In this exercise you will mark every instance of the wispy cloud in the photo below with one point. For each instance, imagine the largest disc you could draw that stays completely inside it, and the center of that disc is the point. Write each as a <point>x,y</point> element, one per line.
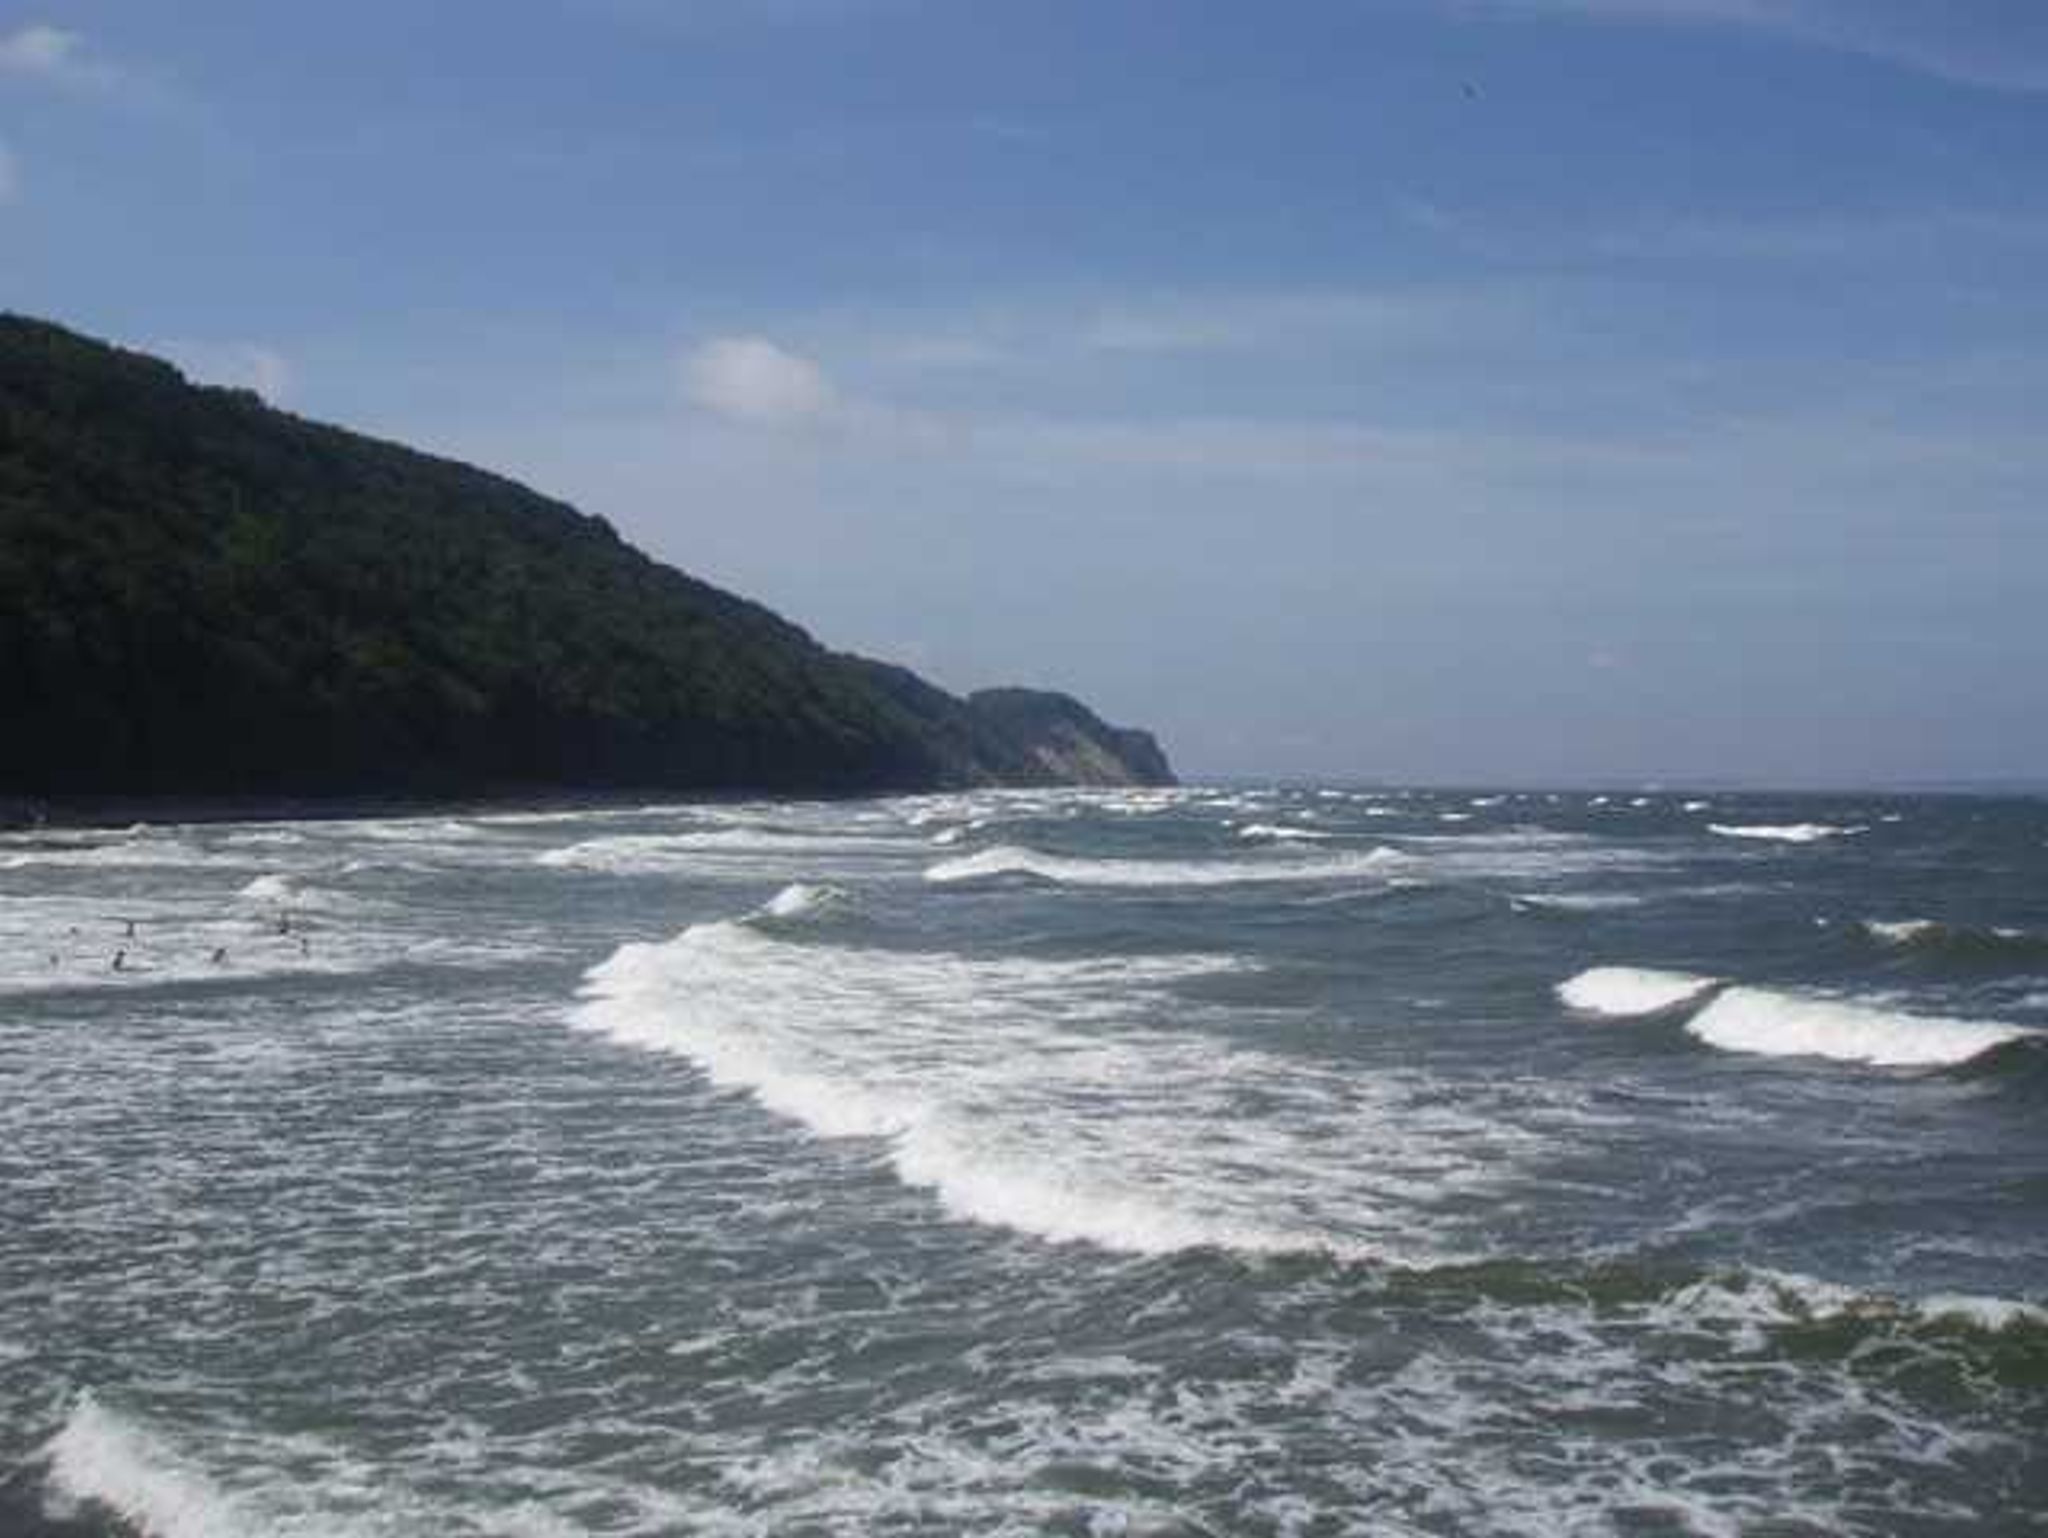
<point>238,364</point>
<point>38,51</point>
<point>1981,43</point>
<point>1232,322</point>
<point>1879,236</point>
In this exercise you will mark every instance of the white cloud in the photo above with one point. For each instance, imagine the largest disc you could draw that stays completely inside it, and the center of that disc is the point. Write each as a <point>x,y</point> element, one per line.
<point>58,57</point>
<point>750,379</point>
<point>39,50</point>
<point>239,365</point>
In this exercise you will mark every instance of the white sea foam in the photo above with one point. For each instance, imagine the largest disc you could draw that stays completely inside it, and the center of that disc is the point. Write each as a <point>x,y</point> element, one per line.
<point>272,888</point>
<point>1765,1297</point>
<point>1778,1024</point>
<point>1627,992</point>
<point>100,1457</point>
<point>1047,1096</point>
<point>409,830</point>
<point>1786,832</point>
<point>1012,860</point>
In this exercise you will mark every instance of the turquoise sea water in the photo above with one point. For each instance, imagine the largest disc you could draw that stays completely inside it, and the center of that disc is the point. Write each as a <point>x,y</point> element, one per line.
<point>1219,1161</point>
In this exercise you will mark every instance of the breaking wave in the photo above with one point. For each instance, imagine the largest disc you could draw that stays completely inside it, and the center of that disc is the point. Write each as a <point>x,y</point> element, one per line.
<point>1787,832</point>
<point>1773,1023</point>
<point>1013,860</point>
<point>662,853</point>
<point>804,900</point>
<point>992,1086</point>
<point>1622,993</point>
<point>100,1459</point>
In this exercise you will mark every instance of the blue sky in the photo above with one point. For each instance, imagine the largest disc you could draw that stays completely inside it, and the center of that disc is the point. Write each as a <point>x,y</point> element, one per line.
<point>1611,390</point>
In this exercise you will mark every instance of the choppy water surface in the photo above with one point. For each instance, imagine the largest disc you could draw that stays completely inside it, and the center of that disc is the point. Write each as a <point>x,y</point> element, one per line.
<point>1205,1161</point>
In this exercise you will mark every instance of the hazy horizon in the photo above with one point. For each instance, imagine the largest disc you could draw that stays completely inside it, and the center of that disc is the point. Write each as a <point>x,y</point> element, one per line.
<point>1489,392</point>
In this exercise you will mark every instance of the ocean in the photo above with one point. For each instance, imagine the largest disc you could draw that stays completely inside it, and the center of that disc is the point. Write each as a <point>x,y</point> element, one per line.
<point>1298,1160</point>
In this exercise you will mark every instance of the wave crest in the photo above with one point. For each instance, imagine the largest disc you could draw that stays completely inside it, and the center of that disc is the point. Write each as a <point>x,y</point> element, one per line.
<point>995,1086</point>
<point>1622,993</point>
<point>1787,832</point>
<point>1064,870</point>
<point>1775,1024</point>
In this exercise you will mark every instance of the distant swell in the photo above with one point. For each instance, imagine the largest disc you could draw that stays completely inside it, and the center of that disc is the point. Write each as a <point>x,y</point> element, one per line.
<point>1959,943</point>
<point>1012,860</point>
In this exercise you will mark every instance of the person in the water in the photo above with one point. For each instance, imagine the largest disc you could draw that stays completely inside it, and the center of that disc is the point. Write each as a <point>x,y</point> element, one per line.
<point>120,960</point>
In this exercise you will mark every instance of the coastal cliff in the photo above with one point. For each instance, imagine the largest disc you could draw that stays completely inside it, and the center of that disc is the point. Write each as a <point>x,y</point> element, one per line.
<point>201,595</point>
<point>1068,742</point>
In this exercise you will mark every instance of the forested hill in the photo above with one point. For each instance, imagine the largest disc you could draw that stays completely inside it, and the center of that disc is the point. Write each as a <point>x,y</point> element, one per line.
<point>200,595</point>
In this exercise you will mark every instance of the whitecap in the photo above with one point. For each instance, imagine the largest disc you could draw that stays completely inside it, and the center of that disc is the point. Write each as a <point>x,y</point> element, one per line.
<point>1993,1314</point>
<point>1900,931</point>
<point>1279,832</point>
<point>1628,992</point>
<point>1785,833</point>
<point>1577,902</point>
<point>1777,1024</point>
<point>662,853</point>
<point>1014,860</point>
<point>803,900</point>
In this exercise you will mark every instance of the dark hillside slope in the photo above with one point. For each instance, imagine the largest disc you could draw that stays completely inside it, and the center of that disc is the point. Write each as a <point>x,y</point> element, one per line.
<point>200,595</point>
